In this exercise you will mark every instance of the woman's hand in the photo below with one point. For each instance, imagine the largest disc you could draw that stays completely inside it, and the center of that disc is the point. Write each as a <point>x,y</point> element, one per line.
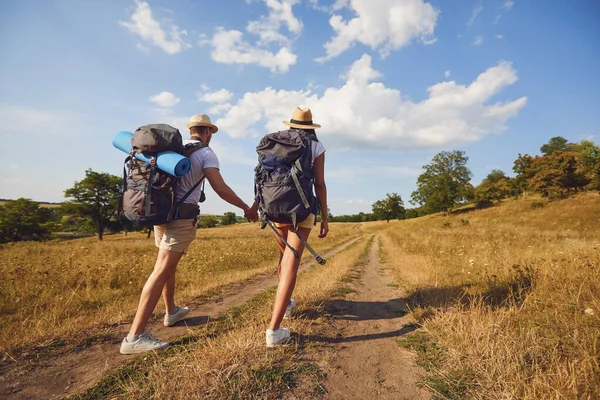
<point>324,228</point>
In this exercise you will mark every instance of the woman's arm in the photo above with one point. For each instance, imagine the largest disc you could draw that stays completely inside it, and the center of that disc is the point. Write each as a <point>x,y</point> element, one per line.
<point>321,192</point>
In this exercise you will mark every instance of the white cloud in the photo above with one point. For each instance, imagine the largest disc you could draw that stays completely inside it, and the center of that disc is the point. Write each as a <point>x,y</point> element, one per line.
<point>355,174</point>
<point>508,4</point>
<point>220,96</point>
<point>229,154</point>
<point>383,25</point>
<point>165,99</point>
<point>204,87</point>
<point>18,120</point>
<point>230,47</point>
<point>478,41</point>
<point>447,74</point>
<point>364,113</point>
<point>362,202</point>
<point>476,11</point>
<point>499,36</point>
<point>144,25</point>
<point>219,108</point>
<point>268,27</point>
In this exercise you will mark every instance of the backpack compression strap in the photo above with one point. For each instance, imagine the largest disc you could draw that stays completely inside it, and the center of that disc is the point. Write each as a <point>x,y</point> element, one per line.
<point>317,257</point>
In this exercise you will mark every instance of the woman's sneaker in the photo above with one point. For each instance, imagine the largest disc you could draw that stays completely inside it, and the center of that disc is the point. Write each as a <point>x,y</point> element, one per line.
<point>172,319</point>
<point>289,309</point>
<point>277,337</point>
<point>145,342</point>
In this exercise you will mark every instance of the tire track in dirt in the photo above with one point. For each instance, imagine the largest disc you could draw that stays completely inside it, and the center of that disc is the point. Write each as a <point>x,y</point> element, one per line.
<point>76,371</point>
<point>362,359</point>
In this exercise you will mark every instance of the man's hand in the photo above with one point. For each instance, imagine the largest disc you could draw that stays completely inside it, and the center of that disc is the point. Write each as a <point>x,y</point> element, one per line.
<point>251,214</point>
<point>324,228</point>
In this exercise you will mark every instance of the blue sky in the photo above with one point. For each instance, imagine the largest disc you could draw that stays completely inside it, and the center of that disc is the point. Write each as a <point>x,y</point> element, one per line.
<point>393,82</point>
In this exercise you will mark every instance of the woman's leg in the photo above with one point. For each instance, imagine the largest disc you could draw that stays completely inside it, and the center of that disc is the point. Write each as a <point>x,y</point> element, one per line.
<point>283,231</point>
<point>287,276</point>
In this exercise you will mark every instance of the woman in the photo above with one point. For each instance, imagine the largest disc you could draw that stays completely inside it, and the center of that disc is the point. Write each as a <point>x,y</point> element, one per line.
<point>288,263</point>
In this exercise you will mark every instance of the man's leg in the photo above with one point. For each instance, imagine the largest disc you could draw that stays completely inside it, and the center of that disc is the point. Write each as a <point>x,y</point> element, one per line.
<point>287,277</point>
<point>168,293</point>
<point>166,262</point>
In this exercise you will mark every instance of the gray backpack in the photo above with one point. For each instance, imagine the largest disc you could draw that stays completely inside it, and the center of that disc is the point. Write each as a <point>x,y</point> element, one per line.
<point>284,181</point>
<point>148,194</point>
<point>284,177</point>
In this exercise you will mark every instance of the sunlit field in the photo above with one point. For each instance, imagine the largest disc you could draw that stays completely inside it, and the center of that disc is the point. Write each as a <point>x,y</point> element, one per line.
<point>507,300</point>
<point>58,288</point>
<point>509,297</point>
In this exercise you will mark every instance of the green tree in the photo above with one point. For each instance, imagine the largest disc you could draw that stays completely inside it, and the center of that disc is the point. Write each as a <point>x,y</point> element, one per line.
<point>588,162</point>
<point>557,143</point>
<point>556,174</point>
<point>95,197</point>
<point>445,182</point>
<point>495,187</point>
<point>207,221</point>
<point>389,208</point>
<point>23,219</point>
<point>228,218</point>
<point>522,167</point>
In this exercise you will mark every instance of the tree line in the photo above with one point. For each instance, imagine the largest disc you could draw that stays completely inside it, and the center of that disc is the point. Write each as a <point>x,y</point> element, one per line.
<point>561,169</point>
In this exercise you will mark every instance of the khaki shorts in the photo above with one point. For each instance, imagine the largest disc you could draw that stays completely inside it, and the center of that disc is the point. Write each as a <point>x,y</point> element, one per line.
<point>176,235</point>
<point>307,223</point>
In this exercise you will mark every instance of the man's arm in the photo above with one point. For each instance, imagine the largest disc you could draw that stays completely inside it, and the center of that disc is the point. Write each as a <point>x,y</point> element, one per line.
<point>226,193</point>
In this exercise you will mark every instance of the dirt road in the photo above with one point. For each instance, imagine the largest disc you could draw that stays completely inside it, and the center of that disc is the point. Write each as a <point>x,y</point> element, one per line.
<point>361,358</point>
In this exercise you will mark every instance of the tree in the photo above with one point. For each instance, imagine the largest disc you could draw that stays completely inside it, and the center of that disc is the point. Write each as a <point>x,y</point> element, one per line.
<point>556,174</point>
<point>23,219</point>
<point>95,197</point>
<point>445,182</point>
<point>588,162</point>
<point>557,143</point>
<point>207,221</point>
<point>495,187</point>
<point>522,167</point>
<point>389,208</point>
<point>228,218</point>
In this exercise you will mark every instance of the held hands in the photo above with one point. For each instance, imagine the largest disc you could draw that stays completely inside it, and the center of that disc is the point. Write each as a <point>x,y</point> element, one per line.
<point>324,228</point>
<point>251,214</point>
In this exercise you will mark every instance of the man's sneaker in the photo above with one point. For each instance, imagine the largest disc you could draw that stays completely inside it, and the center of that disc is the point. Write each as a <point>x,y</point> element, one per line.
<point>172,319</point>
<point>280,336</point>
<point>289,309</point>
<point>145,342</point>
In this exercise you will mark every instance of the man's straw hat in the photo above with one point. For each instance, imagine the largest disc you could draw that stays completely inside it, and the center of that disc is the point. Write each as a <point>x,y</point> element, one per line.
<point>302,119</point>
<point>202,120</point>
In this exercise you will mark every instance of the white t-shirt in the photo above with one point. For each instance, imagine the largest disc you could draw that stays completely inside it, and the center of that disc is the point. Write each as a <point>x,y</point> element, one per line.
<point>200,160</point>
<point>317,150</point>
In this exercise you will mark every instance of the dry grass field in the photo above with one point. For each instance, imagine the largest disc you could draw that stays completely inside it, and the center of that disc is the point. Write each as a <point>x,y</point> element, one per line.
<point>508,297</point>
<point>56,289</point>
<point>507,300</point>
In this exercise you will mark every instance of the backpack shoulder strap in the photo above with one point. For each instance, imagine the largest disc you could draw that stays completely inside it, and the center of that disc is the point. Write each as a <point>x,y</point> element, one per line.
<point>187,151</point>
<point>189,148</point>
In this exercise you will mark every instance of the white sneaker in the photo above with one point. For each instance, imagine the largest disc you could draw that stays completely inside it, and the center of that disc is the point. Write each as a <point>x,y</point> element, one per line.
<point>145,342</point>
<point>289,309</point>
<point>279,336</point>
<point>172,319</point>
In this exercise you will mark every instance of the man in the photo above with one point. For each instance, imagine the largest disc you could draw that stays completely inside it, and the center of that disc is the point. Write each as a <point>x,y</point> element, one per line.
<point>174,238</point>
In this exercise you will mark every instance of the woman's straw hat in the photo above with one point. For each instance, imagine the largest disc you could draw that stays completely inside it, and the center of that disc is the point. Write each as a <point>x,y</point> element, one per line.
<point>302,119</point>
<point>202,120</point>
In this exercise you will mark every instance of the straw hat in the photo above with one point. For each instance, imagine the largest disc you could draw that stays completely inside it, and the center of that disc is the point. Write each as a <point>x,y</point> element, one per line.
<point>202,120</point>
<point>302,119</point>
